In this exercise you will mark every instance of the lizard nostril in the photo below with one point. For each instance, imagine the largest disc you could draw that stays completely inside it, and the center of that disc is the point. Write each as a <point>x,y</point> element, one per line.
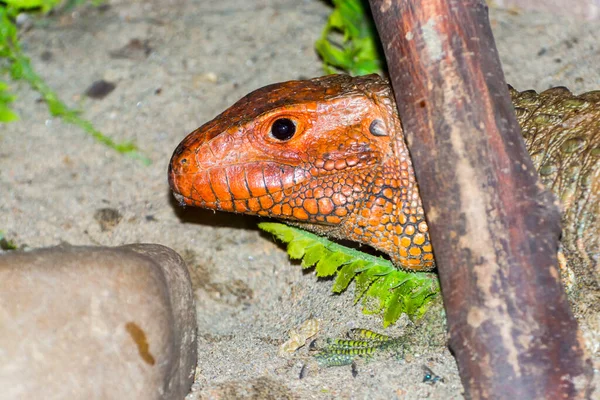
<point>180,163</point>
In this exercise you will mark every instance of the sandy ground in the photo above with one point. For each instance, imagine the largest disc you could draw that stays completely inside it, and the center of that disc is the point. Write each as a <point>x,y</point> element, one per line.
<point>202,56</point>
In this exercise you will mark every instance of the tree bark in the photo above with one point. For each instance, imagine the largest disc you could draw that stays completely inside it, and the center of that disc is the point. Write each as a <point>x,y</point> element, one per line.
<point>494,227</point>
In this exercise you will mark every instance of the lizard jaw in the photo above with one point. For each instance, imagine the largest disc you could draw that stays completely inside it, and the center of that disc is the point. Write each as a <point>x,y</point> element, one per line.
<point>182,200</point>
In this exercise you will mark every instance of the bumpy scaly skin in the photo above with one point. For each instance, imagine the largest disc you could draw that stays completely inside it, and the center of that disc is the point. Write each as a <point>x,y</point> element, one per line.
<point>340,177</point>
<point>562,134</point>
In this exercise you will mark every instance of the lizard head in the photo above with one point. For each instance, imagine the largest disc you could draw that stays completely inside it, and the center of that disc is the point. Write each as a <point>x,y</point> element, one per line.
<point>297,150</point>
<point>326,154</point>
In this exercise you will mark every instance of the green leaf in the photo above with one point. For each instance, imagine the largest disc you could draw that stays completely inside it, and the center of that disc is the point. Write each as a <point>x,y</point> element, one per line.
<point>381,287</point>
<point>43,5</point>
<point>329,264</point>
<point>297,248</point>
<point>346,274</point>
<point>313,254</point>
<point>6,114</point>
<point>349,41</point>
<point>395,307</point>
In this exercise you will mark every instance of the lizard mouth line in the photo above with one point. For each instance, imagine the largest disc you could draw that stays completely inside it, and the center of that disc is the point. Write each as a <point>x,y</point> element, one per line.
<point>306,166</point>
<point>182,200</point>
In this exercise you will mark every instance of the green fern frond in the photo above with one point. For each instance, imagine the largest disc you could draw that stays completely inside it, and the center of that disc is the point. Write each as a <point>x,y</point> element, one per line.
<point>381,287</point>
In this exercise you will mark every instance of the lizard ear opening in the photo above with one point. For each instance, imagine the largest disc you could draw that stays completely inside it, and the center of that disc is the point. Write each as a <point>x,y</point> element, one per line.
<point>377,128</point>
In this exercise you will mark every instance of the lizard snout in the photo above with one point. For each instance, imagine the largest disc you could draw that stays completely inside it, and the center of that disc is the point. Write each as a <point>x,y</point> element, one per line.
<point>181,161</point>
<point>181,168</point>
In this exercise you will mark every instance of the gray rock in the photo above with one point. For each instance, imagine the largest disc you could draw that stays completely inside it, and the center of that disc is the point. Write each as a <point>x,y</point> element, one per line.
<point>96,322</point>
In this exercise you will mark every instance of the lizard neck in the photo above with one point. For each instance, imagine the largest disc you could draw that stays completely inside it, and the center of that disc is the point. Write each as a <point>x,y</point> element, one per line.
<point>390,217</point>
<point>387,213</point>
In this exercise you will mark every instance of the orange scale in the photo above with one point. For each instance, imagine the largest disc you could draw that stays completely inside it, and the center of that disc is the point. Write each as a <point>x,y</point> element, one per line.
<point>402,219</point>
<point>253,204</point>
<point>277,196</point>
<point>380,201</point>
<point>341,212</point>
<point>414,251</point>
<point>338,199</point>
<point>310,205</point>
<point>415,262</point>
<point>240,206</point>
<point>405,242</point>
<point>332,219</point>
<point>276,210</point>
<point>299,213</point>
<point>419,239</point>
<point>325,205</point>
<point>286,210</point>
<point>266,202</point>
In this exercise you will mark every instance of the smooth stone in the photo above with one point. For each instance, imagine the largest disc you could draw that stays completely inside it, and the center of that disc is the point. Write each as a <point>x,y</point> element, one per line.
<point>96,322</point>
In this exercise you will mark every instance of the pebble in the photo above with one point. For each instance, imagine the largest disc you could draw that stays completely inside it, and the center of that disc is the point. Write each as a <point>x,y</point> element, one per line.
<point>96,322</point>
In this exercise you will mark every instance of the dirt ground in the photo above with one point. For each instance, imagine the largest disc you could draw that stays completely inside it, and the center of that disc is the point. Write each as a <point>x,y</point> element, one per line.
<point>186,62</point>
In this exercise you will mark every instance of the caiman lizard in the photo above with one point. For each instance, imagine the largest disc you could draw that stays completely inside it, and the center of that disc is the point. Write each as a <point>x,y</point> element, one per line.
<point>321,154</point>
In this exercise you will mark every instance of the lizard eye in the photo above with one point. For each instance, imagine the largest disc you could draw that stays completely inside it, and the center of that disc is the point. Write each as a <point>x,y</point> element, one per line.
<point>283,129</point>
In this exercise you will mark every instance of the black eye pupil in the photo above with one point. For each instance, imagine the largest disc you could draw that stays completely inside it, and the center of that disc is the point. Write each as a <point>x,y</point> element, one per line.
<point>283,129</point>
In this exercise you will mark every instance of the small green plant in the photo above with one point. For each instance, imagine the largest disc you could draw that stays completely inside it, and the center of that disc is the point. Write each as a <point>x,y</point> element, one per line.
<point>43,5</point>
<point>382,287</point>
<point>349,41</point>
<point>14,62</point>
<point>6,114</point>
<point>6,244</point>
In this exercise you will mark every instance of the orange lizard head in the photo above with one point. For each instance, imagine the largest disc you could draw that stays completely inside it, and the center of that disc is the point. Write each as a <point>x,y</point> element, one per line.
<point>326,154</point>
<point>292,150</point>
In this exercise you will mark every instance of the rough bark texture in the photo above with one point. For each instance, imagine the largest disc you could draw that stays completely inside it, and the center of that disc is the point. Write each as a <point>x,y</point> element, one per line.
<point>494,227</point>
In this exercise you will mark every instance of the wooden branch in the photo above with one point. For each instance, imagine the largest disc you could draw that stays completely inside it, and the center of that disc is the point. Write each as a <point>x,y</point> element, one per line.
<point>494,227</point>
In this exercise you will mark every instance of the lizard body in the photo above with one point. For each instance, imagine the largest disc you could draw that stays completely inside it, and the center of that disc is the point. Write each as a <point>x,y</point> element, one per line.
<point>325,154</point>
